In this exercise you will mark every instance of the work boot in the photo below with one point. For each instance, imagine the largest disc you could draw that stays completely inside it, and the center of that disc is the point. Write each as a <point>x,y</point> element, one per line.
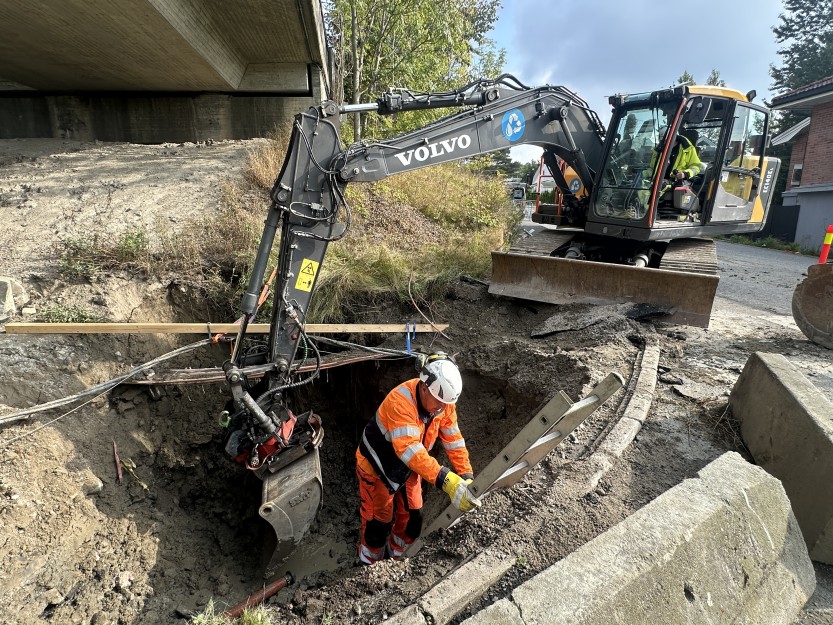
<point>395,547</point>
<point>368,555</point>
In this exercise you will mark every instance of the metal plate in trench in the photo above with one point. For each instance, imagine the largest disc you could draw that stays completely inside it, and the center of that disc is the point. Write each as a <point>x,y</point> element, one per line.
<point>291,499</point>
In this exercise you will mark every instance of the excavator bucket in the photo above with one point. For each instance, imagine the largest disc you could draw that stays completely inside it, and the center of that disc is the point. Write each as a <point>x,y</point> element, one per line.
<point>687,289</point>
<point>291,499</point>
<point>813,305</point>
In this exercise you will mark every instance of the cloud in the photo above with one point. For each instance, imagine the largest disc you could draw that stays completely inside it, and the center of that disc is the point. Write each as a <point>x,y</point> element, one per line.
<point>601,47</point>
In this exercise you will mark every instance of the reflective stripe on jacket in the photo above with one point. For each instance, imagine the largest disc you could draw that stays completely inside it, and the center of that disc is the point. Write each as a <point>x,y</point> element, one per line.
<point>397,440</point>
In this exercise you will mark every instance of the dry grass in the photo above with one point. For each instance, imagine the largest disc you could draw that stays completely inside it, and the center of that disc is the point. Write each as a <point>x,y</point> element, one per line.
<point>455,197</point>
<point>88,255</point>
<point>258,615</point>
<point>264,162</point>
<point>724,424</point>
<point>416,231</point>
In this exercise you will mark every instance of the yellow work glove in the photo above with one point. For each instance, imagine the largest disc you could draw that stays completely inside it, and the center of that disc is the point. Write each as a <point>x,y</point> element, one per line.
<point>461,497</point>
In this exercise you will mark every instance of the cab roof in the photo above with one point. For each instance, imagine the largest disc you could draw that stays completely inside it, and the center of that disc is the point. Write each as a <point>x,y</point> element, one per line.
<point>673,93</point>
<point>721,92</point>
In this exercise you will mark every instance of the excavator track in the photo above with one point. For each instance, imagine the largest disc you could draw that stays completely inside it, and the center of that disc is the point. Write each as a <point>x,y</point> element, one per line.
<point>691,256</point>
<point>685,284</point>
<point>542,243</point>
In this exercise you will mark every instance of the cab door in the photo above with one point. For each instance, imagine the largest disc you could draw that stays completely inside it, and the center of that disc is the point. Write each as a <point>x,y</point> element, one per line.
<point>737,183</point>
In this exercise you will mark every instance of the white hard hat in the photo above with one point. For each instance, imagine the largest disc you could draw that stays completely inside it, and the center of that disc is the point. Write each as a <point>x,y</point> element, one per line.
<point>442,377</point>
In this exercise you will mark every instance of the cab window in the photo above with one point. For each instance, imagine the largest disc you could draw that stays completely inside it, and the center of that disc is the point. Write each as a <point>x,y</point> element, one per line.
<point>742,159</point>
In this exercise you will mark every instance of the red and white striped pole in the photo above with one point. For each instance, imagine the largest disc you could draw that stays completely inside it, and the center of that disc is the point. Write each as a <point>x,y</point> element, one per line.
<point>825,248</point>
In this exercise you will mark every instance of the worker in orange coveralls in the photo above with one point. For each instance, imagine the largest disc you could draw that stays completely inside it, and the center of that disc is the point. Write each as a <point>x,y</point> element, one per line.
<point>393,458</point>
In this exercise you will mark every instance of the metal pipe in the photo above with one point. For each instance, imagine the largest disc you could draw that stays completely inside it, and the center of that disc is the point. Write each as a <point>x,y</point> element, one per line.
<point>359,108</point>
<point>259,597</point>
<point>640,260</point>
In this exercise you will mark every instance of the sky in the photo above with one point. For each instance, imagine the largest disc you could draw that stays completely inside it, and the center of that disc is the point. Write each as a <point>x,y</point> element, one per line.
<point>598,48</point>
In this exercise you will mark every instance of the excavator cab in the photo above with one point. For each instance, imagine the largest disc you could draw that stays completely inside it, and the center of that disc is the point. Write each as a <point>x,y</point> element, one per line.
<point>728,179</point>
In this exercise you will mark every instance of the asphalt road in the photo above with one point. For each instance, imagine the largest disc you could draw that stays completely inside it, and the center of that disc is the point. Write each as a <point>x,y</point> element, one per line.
<point>759,278</point>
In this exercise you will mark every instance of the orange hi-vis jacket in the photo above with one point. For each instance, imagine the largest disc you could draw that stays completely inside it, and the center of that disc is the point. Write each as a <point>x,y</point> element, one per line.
<point>397,440</point>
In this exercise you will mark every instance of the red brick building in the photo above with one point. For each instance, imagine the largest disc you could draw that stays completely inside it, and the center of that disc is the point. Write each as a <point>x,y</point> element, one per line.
<point>810,168</point>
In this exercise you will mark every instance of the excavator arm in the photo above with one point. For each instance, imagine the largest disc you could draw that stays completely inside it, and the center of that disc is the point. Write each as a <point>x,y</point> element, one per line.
<point>308,196</point>
<point>308,208</point>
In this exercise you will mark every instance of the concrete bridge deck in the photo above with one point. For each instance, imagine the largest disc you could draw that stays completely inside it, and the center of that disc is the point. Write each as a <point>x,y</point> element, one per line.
<point>158,70</point>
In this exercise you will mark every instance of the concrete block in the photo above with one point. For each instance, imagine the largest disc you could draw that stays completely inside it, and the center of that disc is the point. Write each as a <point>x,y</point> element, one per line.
<point>502,612</point>
<point>463,586</point>
<point>787,424</point>
<point>18,290</point>
<point>6,297</point>
<point>723,548</point>
<point>411,615</point>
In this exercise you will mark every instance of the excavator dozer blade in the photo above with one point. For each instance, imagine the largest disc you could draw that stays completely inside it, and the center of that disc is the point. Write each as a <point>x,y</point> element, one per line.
<point>813,305</point>
<point>291,499</point>
<point>688,295</point>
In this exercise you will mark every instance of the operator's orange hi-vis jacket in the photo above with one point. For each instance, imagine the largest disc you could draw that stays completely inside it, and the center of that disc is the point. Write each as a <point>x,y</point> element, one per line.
<point>397,440</point>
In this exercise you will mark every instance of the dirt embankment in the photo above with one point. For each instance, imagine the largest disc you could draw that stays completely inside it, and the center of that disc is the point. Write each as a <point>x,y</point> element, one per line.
<point>77,546</point>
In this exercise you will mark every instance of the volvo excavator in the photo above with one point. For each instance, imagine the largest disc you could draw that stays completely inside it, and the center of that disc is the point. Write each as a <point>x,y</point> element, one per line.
<point>624,230</point>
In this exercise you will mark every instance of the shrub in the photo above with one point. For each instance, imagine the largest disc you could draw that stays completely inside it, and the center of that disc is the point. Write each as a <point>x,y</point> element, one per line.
<point>63,313</point>
<point>88,255</point>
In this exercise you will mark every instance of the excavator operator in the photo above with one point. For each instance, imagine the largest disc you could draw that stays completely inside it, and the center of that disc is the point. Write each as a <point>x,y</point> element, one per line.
<point>684,163</point>
<point>393,459</point>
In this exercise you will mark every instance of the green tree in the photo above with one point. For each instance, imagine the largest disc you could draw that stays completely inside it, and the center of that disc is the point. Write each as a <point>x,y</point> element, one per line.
<point>527,171</point>
<point>685,78</point>
<point>805,32</point>
<point>497,163</point>
<point>422,45</point>
<point>715,80</point>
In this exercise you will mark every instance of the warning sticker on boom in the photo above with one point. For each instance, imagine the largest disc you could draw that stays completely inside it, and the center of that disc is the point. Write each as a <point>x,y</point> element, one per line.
<point>306,277</point>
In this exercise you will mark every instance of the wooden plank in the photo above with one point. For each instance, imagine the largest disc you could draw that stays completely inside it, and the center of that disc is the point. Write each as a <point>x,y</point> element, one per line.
<point>211,328</point>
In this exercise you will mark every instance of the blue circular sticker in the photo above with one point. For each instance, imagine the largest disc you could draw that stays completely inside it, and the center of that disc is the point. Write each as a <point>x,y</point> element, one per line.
<point>513,124</point>
<point>575,185</point>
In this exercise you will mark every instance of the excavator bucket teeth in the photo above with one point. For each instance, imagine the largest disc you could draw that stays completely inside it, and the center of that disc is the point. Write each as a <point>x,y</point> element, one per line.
<point>813,305</point>
<point>687,295</point>
<point>291,499</point>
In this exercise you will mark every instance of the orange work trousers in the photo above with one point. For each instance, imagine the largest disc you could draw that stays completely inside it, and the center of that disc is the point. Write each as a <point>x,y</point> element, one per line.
<point>388,519</point>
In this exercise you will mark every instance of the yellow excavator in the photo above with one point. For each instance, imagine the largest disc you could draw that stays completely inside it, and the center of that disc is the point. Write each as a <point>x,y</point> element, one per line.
<point>629,228</point>
<point>636,232</point>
